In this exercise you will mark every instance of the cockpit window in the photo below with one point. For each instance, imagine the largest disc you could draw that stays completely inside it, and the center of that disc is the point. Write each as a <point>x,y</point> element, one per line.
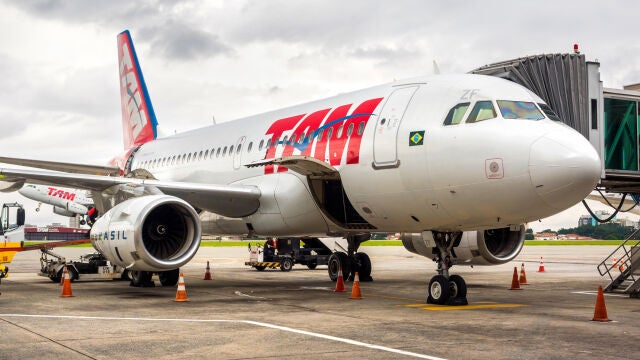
<point>547,110</point>
<point>456,114</point>
<point>519,110</point>
<point>482,110</point>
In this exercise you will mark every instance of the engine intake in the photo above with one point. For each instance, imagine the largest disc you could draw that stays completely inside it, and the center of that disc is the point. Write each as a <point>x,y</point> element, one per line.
<point>485,247</point>
<point>150,233</point>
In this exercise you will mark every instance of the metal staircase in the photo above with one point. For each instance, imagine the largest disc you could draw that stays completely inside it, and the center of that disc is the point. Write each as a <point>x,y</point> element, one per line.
<point>623,268</point>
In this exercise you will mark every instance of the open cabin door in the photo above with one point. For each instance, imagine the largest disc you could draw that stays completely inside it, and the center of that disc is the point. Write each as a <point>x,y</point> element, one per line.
<point>326,188</point>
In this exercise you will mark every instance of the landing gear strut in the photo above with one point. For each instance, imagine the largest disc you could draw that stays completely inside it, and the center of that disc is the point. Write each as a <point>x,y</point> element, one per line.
<point>445,288</point>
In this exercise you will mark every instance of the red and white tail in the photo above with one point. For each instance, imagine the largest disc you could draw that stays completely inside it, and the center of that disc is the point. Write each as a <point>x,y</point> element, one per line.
<point>139,124</point>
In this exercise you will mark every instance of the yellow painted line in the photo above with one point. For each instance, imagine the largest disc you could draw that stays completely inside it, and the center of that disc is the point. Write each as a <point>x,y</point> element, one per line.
<point>470,307</point>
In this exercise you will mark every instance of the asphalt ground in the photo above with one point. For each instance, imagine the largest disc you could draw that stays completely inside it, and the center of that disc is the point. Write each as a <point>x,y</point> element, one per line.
<point>246,314</point>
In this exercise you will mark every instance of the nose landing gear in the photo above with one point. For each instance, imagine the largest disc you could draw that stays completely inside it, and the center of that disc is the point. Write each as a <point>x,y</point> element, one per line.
<point>445,288</point>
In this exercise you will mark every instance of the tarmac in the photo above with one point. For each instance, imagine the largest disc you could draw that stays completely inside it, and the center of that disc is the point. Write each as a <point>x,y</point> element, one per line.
<point>246,314</point>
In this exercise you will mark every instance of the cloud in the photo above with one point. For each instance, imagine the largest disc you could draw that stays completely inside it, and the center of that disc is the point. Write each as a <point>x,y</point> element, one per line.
<point>179,41</point>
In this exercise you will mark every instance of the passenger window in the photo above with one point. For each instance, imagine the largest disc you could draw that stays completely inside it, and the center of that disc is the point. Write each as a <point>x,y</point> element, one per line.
<point>456,114</point>
<point>206,154</point>
<point>320,134</point>
<point>200,156</point>
<point>329,132</point>
<point>224,151</point>
<point>218,153</point>
<point>260,145</point>
<point>339,133</point>
<point>482,110</point>
<point>293,139</point>
<point>350,129</point>
<point>238,149</point>
<point>250,146</point>
<point>189,158</point>
<point>361,128</point>
<point>284,140</point>
<point>230,150</point>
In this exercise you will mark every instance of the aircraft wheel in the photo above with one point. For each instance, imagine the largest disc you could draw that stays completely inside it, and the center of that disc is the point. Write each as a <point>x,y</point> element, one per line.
<point>439,290</point>
<point>169,278</point>
<point>365,267</point>
<point>457,287</point>
<point>286,264</point>
<point>125,275</point>
<point>141,278</point>
<point>339,260</point>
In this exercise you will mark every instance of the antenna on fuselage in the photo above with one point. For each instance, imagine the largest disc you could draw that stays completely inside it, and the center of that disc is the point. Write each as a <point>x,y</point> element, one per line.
<point>213,118</point>
<point>436,68</point>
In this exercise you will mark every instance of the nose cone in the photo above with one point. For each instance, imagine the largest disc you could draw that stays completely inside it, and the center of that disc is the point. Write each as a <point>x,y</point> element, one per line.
<point>564,168</point>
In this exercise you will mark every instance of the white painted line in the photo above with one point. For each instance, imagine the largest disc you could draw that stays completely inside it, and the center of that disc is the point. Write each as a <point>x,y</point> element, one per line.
<point>239,293</point>
<point>594,293</point>
<point>249,322</point>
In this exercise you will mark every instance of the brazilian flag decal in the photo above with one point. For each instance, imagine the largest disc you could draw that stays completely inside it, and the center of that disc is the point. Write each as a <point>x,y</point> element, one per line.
<point>416,138</point>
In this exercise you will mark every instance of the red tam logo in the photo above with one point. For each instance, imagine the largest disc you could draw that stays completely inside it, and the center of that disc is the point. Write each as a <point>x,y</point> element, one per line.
<point>328,135</point>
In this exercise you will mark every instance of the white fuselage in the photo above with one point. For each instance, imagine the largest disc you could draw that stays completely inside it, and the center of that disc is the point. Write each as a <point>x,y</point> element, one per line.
<point>489,174</point>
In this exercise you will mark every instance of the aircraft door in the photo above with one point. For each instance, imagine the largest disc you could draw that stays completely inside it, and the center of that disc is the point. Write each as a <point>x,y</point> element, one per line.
<point>237,152</point>
<point>385,151</point>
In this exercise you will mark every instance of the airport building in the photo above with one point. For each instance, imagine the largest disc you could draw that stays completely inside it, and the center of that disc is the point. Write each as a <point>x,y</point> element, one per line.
<point>54,232</point>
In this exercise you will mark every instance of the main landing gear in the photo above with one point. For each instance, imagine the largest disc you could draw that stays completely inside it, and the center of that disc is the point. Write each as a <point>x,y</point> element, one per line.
<point>445,288</point>
<point>351,261</point>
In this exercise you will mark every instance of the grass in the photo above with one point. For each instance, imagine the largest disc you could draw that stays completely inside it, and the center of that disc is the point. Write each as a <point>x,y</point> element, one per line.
<point>245,243</point>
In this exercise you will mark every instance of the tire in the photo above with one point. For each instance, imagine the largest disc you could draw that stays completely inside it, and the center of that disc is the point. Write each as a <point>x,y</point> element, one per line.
<point>169,278</point>
<point>336,261</point>
<point>365,267</point>
<point>457,287</point>
<point>260,268</point>
<point>286,264</point>
<point>73,275</point>
<point>141,278</point>
<point>125,275</point>
<point>312,265</point>
<point>439,290</point>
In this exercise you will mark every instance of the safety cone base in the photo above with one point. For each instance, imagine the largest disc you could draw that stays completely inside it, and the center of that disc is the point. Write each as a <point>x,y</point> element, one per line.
<point>181,294</point>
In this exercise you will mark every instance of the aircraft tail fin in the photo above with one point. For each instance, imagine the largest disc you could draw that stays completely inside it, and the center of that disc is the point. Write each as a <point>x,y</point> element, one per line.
<point>139,124</point>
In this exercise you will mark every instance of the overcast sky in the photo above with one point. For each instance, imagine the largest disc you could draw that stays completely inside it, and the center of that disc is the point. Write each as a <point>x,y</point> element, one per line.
<point>59,96</point>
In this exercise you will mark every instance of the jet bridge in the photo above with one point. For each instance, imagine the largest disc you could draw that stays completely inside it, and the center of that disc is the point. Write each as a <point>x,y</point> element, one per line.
<point>572,87</point>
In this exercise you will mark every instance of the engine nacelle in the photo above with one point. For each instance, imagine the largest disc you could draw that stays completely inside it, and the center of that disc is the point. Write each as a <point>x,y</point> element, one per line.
<point>148,233</point>
<point>488,247</point>
<point>63,212</point>
<point>70,209</point>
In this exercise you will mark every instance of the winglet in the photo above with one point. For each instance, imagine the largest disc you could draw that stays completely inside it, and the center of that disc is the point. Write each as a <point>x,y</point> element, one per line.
<point>139,124</point>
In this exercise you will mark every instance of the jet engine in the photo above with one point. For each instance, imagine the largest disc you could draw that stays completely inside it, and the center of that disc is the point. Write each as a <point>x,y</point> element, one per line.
<point>148,233</point>
<point>485,247</point>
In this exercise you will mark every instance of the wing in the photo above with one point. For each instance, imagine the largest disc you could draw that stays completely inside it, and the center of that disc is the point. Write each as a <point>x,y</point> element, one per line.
<point>60,166</point>
<point>225,200</point>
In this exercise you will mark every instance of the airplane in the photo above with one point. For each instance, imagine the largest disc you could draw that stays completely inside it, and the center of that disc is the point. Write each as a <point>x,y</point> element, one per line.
<point>65,201</point>
<point>456,163</point>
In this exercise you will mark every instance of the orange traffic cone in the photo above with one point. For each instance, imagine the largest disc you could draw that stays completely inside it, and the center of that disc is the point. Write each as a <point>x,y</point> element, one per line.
<point>515,284</point>
<point>355,290</point>
<point>541,267</point>
<point>621,266</point>
<point>207,273</point>
<point>600,313</point>
<point>523,276</point>
<point>66,285</point>
<point>340,282</point>
<point>615,263</point>
<point>181,294</point>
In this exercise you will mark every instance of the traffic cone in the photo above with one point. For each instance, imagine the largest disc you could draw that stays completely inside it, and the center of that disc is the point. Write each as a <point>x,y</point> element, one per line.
<point>523,276</point>
<point>600,313</point>
<point>515,284</point>
<point>340,282</point>
<point>541,267</point>
<point>207,273</point>
<point>181,294</point>
<point>615,263</point>
<point>66,285</point>
<point>355,290</point>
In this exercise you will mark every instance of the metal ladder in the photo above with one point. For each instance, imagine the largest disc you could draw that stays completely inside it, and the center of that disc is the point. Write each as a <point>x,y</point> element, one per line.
<point>624,272</point>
